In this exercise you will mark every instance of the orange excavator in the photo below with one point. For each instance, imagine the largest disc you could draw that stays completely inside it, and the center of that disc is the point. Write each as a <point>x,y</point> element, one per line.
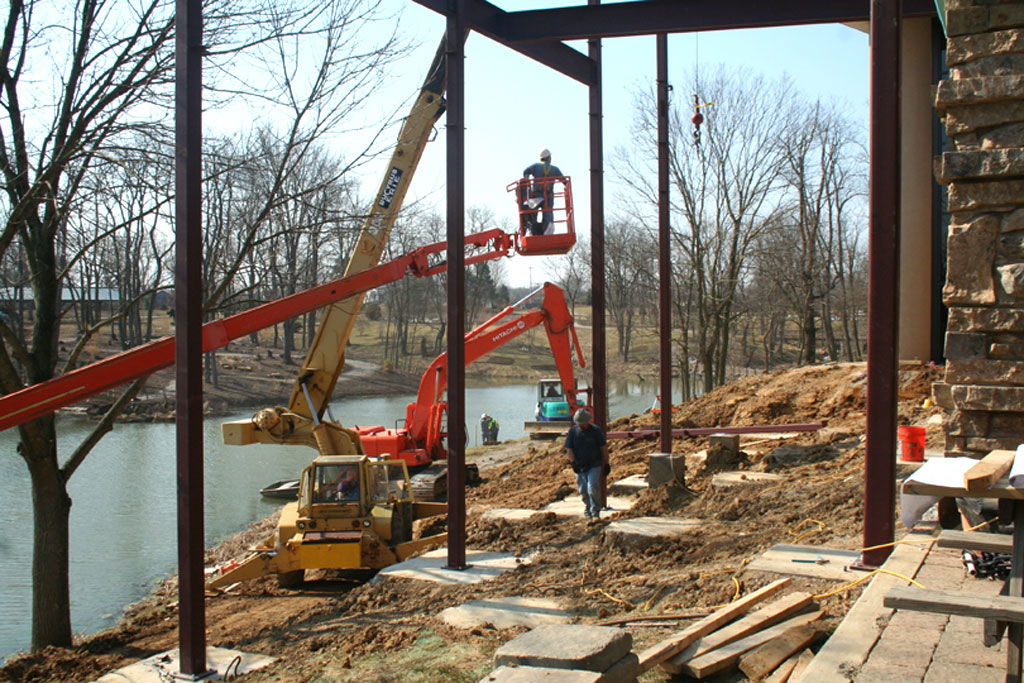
<point>422,440</point>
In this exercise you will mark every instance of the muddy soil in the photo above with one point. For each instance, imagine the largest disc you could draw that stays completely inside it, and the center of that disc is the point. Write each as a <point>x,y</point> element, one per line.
<point>342,628</point>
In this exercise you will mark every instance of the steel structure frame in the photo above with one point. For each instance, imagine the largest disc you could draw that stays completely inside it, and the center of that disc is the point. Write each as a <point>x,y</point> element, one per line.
<point>537,34</point>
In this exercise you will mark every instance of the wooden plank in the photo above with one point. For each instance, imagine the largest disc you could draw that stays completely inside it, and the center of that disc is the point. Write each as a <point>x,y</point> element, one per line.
<point>785,670</point>
<point>781,609</point>
<point>976,540</point>
<point>763,660</point>
<point>659,652</point>
<point>989,470</point>
<point>997,491</point>
<point>1001,607</point>
<point>802,663</point>
<point>726,657</point>
<point>779,559</point>
<point>849,646</point>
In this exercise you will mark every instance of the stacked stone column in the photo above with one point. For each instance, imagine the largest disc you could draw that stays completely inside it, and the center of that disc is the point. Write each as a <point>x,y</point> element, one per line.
<point>982,105</point>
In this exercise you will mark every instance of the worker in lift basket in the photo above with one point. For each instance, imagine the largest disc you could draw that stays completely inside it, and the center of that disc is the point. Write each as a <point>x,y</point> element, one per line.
<point>540,195</point>
<point>587,448</point>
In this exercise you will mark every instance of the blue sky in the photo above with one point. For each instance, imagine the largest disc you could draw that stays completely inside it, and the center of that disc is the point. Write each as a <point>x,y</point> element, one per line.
<point>515,107</point>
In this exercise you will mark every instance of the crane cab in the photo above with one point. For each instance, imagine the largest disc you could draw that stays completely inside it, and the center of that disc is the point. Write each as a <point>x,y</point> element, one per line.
<point>545,211</point>
<point>552,405</point>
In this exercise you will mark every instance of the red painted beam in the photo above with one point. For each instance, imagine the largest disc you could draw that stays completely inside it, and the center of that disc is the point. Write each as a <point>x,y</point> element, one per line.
<point>704,431</point>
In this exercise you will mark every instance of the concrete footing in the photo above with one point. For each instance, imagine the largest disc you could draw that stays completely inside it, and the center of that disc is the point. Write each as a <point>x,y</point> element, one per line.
<point>507,612</point>
<point>630,486</point>
<point>664,468</point>
<point>431,567</point>
<point>222,663</point>
<point>728,479</point>
<point>572,506</point>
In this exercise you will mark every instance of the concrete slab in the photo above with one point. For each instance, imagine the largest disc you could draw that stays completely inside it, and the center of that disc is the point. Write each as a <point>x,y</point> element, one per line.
<point>567,646</point>
<point>431,567</point>
<point>808,560</point>
<point>626,670</point>
<point>645,531</point>
<point>164,666</point>
<point>507,612</point>
<point>507,514</point>
<point>728,479</point>
<point>630,486</point>
<point>529,674</point>
<point>572,506</point>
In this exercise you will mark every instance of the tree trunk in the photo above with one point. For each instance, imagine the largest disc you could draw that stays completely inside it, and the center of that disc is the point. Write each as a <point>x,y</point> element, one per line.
<point>51,506</point>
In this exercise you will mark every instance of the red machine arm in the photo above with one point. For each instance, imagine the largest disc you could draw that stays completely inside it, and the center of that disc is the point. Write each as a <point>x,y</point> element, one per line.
<point>423,417</point>
<point>47,397</point>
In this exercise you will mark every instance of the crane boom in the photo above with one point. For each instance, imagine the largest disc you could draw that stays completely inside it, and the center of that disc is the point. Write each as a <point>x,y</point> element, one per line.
<point>325,358</point>
<point>46,397</point>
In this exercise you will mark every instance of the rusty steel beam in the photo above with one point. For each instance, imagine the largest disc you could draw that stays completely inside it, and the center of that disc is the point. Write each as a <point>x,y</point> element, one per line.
<point>664,253</point>
<point>883,282</point>
<point>598,331</point>
<point>456,209</point>
<point>644,17</point>
<point>488,20</point>
<point>704,431</point>
<point>188,315</point>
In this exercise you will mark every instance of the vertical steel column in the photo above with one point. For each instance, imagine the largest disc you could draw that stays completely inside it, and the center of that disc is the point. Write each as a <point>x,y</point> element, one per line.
<point>456,179</point>
<point>598,331</point>
<point>883,284</point>
<point>188,317</point>
<point>664,257</point>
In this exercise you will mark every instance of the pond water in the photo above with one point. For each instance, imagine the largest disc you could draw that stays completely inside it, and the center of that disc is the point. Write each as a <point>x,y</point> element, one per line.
<point>123,516</point>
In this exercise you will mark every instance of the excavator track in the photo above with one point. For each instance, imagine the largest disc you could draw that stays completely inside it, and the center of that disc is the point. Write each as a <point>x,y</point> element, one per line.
<point>431,483</point>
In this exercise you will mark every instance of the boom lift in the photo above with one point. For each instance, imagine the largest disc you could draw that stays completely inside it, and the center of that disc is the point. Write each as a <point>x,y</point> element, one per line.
<point>421,441</point>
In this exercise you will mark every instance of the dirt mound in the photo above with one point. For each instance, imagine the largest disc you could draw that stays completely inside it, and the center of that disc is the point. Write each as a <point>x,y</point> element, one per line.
<point>339,628</point>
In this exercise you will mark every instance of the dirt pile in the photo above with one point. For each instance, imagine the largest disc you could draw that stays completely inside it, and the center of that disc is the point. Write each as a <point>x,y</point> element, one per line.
<point>338,627</point>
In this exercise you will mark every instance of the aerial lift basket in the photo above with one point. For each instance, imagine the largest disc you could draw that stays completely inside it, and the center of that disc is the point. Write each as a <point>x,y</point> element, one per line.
<point>546,224</point>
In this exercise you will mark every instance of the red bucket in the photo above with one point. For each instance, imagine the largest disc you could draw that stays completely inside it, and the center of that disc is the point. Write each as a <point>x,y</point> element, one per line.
<point>912,443</point>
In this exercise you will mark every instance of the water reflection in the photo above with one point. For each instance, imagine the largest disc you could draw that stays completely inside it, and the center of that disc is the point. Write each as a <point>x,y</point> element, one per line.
<point>123,519</point>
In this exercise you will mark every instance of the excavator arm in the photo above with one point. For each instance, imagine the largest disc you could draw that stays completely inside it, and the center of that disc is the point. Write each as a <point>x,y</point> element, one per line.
<point>423,417</point>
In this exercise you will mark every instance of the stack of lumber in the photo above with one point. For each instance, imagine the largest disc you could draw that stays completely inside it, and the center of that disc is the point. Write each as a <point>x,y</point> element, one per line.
<point>765,640</point>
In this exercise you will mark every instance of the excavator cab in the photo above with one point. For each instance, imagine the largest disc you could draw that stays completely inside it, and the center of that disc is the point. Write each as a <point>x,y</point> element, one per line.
<point>545,209</point>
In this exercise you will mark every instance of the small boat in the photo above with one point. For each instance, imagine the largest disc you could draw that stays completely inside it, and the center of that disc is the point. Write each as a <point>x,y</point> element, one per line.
<point>287,489</point>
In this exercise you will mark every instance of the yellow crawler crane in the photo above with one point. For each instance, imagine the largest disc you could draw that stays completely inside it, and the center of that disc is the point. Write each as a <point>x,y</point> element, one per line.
<point>353,512</point>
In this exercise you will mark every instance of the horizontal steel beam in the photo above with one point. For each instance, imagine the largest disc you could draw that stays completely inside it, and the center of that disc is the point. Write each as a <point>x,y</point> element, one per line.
<point>704,431</point>
<point>489,20</point>
<point>643,17</point>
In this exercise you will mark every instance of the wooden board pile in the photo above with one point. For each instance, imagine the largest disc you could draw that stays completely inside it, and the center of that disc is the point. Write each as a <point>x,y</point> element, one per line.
<point>769,643</point>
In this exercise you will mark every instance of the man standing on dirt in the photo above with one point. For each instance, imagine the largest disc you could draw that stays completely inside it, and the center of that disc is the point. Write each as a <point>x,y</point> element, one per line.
<point>588,455</point>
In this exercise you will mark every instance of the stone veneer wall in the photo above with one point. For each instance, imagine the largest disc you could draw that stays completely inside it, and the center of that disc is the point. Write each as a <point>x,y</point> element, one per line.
<point>982,105</point>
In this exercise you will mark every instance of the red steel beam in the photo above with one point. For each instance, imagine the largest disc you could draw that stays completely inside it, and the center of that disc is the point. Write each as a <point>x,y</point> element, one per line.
<point>704,431</point>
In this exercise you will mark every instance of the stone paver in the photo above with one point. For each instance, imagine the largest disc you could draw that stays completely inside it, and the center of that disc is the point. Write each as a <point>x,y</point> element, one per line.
<point>164,666</point>
<point>907,619</point>
<point>592,648</point>
<point>886,672</point>
<point>431,567</point>
<point>572,506</point>
<point>961,673</point>
<point>506,612</point>
<point>507,514</point>
<point>959,647</point>
<point>529,674</point>
<point>644,531</point>
<point>911,648</point>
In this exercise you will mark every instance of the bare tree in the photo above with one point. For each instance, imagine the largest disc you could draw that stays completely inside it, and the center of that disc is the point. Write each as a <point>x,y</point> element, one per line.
<point>631,276</point>
<point>75,81</point>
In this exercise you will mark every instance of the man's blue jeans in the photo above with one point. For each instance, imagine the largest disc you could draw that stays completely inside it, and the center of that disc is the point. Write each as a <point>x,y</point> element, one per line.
<point>589,483</point>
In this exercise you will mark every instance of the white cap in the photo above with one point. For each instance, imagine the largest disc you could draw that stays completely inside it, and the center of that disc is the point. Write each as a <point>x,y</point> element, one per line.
<point>545,154</point>
<point>484,416</point>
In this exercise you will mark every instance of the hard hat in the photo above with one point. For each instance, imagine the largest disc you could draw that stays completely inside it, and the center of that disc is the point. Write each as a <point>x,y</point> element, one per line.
<point>545,154</point>
<point>581,417</point>
<point>484,416</point>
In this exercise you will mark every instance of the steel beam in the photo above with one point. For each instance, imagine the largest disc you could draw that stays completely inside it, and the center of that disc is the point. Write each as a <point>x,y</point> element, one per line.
<point>883,282</point>
<point>664,253</point>
<point>598,331</point>
<point>188,316</point>
<point>456,210</point>
<point>488,20</point>
<point>643,17</point>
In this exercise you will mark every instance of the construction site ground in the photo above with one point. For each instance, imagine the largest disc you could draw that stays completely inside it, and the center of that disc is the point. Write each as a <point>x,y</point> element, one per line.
<point>344,628</point>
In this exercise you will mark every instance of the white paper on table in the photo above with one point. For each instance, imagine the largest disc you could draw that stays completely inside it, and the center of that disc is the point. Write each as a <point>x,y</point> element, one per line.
<point>947,472</point>
<point>1017,468</point>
